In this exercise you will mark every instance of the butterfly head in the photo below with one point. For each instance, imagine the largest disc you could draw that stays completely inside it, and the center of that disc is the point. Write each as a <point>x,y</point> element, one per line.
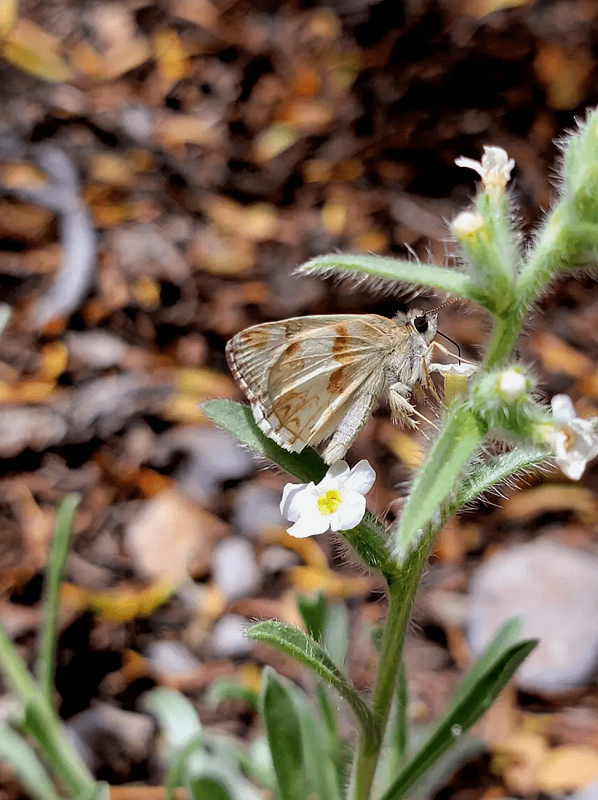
<point>420,322</point>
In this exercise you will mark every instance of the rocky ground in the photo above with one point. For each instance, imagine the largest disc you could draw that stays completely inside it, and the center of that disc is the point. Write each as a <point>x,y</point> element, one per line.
<point>157,190</point>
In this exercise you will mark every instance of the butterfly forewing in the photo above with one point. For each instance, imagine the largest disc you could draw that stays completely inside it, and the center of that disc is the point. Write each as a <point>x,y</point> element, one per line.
<point>304,375</point>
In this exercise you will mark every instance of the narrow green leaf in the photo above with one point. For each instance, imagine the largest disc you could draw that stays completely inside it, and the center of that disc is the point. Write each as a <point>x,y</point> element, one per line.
<point>283,729</point>
<point>309,653</point>
<point>16,753</point>
<point>336,633</point>
<point>368,539</point>
<point>314,610</point>
<point>462,714</point>
<point>458,441</point>
<point>483,477</point>
<point>319,751</point>
<point>226,689</point>
<point>46,662</point>
<point>400,270</point>
<point>177,717</point>
<point>206,788</point>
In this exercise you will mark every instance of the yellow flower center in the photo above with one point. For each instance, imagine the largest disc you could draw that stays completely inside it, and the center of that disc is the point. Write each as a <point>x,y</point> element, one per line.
<point>329,502</point>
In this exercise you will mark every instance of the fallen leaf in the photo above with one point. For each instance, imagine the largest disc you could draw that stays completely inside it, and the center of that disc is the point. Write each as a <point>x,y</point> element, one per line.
<point>550,498</point>
<point>564,75</point>
<point>171,537</point>
<point>170,54</point>
<point>568,768</point>
<point>556,356</point>
<point>32,49</point>
<point>8,15</point>
<point>121,603</point>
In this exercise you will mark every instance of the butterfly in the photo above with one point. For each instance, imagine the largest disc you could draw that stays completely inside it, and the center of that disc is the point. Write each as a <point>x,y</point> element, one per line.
<point>311,378</point>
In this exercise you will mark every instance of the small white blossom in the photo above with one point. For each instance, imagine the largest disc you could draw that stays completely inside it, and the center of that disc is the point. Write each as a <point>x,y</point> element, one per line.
<point>573,440</point>
<point>466,370</point>
<point>337,503</point>
<point>467,223</point>
<point>513,385</point>
<point>495,168</point>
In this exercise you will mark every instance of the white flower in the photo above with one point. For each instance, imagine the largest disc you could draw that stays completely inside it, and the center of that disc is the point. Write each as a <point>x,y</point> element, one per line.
<point>495,168</point>
<point>467,223</point>
<point>337,503</point>
<point>573,440</point>
<point>513,385</point>
<point>466,370</point>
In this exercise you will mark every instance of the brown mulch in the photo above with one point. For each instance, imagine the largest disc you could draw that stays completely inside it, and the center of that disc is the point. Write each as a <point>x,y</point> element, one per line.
<point>205,149</point>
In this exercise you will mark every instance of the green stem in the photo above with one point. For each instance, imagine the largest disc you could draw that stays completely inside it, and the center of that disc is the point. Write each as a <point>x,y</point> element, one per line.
<point>401,595</point>
<point>42,722</point>
<point>46,663</point>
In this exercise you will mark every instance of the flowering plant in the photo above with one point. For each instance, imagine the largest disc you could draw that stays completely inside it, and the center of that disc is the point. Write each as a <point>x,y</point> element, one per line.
<point>495,400</point>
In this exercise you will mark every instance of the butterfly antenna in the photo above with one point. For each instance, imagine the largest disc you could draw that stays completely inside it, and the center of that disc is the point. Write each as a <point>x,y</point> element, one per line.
<point>444,305</point>
<point>452,341</point>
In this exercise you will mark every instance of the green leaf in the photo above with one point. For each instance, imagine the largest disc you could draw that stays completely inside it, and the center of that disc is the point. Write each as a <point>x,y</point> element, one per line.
<point>319,750</point>
<point>226,689</point>
<point>456,444</point>
<point>314,610</point>
<point>336,633</point>
<point>480,688</point>
<point>206,788</point>
<point>16,753</point>
<point>399,270</point>
<point>177,717</point>
<point>283,729</point>
<point>309,653</point>
<point>483,477</point>
<point>46,662</point>
<point>368,539</point>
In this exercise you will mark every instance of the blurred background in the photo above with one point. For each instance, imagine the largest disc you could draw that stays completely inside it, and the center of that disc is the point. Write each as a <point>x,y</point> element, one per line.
<point>164,167</point>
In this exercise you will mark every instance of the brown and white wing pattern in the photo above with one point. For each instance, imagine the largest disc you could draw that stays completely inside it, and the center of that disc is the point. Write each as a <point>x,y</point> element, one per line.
<point>305,376</point>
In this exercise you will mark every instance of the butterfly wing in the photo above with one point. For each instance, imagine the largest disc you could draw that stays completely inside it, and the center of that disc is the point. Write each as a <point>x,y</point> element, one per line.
<point>303,376</point>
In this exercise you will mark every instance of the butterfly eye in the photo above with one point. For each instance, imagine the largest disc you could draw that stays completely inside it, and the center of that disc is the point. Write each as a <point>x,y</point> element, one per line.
<point>421,324</point>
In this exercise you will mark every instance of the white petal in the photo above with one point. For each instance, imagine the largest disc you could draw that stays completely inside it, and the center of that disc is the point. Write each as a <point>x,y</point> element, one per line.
<point>454,369</point>
<point>334,476</point>
<point>310,525</point>
<point>297,498</point>
<point>360,479</point>
<point>469,163</point>
<point>349,513</point>
<point>563,410</point>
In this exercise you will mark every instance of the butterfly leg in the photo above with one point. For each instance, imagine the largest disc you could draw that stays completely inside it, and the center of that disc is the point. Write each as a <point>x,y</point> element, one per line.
<point>348,428</point>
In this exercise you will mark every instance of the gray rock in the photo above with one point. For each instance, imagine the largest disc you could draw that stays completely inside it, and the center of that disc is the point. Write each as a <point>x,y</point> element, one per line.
<point>234,568</point>
<point>213,456</point>
<point>277,559</point>
<point>171,658</point>
<point>555,589</point>
<point>228,637</point>
<point>587,793</point>
<point>257,508</point>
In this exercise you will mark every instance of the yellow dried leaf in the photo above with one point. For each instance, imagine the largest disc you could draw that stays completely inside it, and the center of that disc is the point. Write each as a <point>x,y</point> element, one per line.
<point>403,445</point>
<point>334,218</point>
<point>334,585</point>
<point>371,241</point>
<point>309,116</point>
<point>481,8</point>
<point>177,129</point>
<point>222,254</point>
<point>55,358</point>
<point>517,760</point>
<point>8,15</point>
<point>568,768</point>
<point>34,50</point>
<point>171,57</point>
<point>257,221</point>
<point>309,550</point>
<point>147,293</point>
<point>564,75</point>
<point>118,604</point>
<point>111,169</point>
<point>21,175</point>
<point>542,499</point>
<point>556,356</point>
<point>273,141</point>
